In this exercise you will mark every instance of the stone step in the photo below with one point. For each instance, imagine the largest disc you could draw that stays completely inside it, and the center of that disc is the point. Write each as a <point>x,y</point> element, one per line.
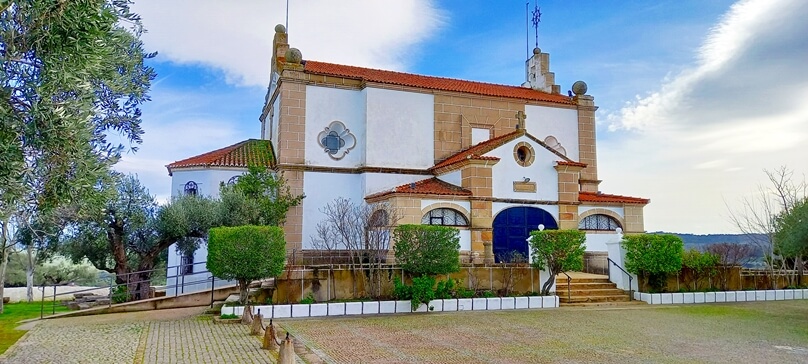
<point>582,280</point>
<point>573,285</point>
<point>591,292</point>
<point>606,304</point>
<point>584,299</point>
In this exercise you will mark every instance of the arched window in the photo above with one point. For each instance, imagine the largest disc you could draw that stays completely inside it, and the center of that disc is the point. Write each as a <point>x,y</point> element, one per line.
<point>445,217</point>
<point>378,219</point>
<point>599,222</point>
<point>191,188</point>
<point>232,180</point>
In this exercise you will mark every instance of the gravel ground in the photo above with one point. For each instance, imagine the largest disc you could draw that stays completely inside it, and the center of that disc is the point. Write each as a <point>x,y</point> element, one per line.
<point>771,332</point>
<point>18,294</point>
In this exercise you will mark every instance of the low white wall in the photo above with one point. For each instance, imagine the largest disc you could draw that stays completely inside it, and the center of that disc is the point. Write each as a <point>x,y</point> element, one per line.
<point>387,307</point>
<point>719,297</point>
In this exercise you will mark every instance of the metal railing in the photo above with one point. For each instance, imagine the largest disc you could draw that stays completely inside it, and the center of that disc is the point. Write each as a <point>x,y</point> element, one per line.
<point>630,278</point>
<point>569,282</point>
<point>115,292</point>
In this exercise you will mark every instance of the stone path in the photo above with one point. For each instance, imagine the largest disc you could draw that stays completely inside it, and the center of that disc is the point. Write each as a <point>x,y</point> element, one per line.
<point>164,336</point>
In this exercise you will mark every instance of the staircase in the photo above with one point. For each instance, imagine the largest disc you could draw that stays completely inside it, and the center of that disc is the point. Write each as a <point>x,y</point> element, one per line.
<point>589,290</point>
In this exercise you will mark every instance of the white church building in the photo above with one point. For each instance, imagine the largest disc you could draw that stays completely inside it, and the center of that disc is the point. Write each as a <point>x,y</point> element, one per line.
<point>495,161</point>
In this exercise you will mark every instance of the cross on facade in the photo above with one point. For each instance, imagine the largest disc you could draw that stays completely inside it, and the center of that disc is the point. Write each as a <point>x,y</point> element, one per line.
<point>521,116</point>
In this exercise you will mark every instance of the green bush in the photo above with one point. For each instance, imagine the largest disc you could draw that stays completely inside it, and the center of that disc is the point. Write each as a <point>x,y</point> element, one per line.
<point>446,289</point>
<point>228,316</point>
<point>308,300</point>
<point>700,265</point>
<point>246,253</point>
<point>401,291</point>
<point>120,294</point>
<point>423,291</point>
<point>557,251</point>
<point>427,249</point>
<point>653,256</point>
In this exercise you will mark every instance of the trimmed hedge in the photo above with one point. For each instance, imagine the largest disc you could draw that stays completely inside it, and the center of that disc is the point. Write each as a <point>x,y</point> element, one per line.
<point>427,249</point>
<point>654,256</point>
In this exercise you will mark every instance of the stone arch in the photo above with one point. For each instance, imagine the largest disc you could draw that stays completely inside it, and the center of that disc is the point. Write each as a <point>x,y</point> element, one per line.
<point>602,211</point>
<point>446,205</point>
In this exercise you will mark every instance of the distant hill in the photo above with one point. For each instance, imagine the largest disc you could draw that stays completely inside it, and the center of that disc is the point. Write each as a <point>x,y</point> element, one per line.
<point>700,241</point>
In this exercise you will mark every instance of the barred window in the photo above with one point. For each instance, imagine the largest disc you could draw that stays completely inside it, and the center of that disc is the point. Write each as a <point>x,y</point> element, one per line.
<point>232,180</point>
<point>599,222</point>
<point>445,217</point>
<point>191,188</point>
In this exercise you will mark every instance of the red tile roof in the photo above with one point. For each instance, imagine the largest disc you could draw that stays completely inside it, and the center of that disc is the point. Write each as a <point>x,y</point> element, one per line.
<point>432,82</point>
<point>251,152</point>
<point>476,151</point>
<point>602,197</point>
<point>431,186</point>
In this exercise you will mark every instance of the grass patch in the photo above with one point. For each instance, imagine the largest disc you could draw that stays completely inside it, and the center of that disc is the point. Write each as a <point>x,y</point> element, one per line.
<point>15,312</point>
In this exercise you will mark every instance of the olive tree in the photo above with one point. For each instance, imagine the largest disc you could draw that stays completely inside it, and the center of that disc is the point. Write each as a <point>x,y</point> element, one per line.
<point>557,251</point>
<point>73,74</point>
<point>246,253</point>
<point>427,250</point>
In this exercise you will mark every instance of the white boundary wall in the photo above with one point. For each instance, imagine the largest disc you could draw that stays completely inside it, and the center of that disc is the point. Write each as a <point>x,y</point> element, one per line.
<point>720,297</point>
<point>388,307</point>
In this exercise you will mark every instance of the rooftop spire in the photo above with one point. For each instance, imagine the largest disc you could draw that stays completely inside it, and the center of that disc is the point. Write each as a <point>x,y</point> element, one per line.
<point>536,20</point>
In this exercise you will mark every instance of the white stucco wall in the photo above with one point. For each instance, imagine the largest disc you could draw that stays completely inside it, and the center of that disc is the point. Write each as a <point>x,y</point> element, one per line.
<point>322,188</point>
<point>275,128</point>
<point>542,172</point>
<point>325,105</point>
<point>465,239</point>
<point>561,123</point>
<point>597,241</point>
<point>378,182</point>
<point>455,178</point>
<point>400,129</point>
<point>480,135</point>
<point>207,180</point>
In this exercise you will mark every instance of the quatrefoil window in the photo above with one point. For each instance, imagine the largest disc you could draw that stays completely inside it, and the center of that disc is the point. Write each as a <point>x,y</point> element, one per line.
<point>336,140</point>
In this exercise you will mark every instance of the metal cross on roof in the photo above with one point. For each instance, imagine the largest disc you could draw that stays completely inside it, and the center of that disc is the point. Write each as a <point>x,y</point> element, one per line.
<point>536,21</point>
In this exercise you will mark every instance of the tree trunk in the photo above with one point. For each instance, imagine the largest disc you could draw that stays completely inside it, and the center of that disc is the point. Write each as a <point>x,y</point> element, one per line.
<point>242,294</point>
<point>29,273</point>
<point>3,264</point>
<point>545,288</point>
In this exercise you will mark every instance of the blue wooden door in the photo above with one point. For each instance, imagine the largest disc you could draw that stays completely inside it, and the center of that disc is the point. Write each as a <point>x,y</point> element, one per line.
<point>512,227</point>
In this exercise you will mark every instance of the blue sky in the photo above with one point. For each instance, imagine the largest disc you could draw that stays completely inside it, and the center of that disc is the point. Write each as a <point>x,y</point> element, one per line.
<point>696,97</point>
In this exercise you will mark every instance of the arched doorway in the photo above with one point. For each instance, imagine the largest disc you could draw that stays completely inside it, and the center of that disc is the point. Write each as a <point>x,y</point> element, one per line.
<point>512,227</point>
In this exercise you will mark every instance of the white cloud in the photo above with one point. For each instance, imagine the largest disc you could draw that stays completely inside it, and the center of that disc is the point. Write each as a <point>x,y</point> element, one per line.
<point>237,38</point>
<point>706,134</point>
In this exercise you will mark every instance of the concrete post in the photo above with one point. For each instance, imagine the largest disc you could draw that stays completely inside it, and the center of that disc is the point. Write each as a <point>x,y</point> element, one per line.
<point>270,338</point>
<point>287,351</point>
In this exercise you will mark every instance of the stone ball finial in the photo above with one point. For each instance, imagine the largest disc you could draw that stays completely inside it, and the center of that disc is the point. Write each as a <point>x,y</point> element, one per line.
<point>579,88</point>
<point>280,28</point>
<point>293,55</point>
<point>536,50</point>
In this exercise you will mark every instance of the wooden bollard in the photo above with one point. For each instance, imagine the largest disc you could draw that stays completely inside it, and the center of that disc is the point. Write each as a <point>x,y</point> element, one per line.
<point>247,316</point>
<point>287,351</point>
<point>257,327</point>
<point>270,338</point>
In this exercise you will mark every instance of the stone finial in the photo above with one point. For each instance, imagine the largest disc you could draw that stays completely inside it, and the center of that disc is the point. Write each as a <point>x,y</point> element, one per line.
<point>294,56</point>
<point>579,88</point>
<point>280,28</point>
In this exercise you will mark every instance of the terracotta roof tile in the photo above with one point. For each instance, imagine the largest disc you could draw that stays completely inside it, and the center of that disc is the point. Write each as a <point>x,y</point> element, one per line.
<point>602,197</point>
<point>432,82</point>
<point>251,152</point>
<point>431,186</point>
<point>476,151</point>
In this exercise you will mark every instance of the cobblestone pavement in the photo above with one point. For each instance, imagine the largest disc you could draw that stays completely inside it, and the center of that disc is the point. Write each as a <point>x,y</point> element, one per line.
<point>164,336</point>
<point>771,332</point>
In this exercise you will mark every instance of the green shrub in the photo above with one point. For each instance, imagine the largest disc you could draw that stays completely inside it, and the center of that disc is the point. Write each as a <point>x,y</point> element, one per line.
<point>487,294</point>
<point>427,249</point>
<point>401,291</point>
<point>423,291</point>
<point>653,256</point>
<point>246,253</point>
<point>308,300</point>
<point>701,265</point>
<point>120,294</point>
<point>446,289</point>
<point>228,316</point>
<point>557,251</point>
